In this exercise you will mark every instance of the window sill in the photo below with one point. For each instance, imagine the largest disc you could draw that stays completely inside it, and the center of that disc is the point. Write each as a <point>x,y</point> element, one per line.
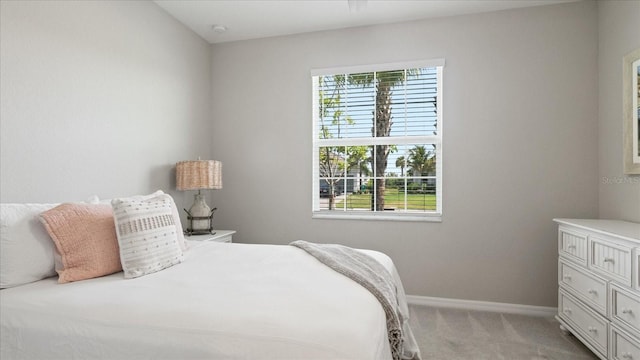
<point>332,215</point>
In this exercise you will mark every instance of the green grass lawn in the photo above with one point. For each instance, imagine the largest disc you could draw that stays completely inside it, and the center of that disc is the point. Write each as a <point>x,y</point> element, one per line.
<point>392,199</point>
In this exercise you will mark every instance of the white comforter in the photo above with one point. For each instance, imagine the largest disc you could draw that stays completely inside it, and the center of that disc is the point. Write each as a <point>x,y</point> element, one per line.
<point>225,301</point>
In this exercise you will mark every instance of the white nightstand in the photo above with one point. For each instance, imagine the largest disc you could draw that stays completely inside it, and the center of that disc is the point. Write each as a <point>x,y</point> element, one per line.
<point>222,236</point>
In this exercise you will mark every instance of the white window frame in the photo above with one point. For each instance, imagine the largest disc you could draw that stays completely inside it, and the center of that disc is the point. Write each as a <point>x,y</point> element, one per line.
<point>435,216</point>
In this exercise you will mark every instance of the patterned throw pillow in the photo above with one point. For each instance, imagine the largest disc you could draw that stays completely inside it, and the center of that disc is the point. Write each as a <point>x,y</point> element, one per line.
<point>147,234</point>
<point>176,214</point>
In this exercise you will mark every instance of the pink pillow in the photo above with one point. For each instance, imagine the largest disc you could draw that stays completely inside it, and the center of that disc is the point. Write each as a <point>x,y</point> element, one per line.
<point>85,236</point>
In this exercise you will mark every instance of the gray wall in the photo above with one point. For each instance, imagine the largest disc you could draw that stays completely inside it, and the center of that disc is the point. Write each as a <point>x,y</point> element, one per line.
<point>98,98</point>
<point>619,34</point>
<point>520,139</point>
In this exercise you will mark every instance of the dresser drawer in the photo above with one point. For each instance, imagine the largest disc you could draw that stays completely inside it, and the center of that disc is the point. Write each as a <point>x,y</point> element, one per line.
<point>625,307</point>
<point>572,245</point>
<point>590,288</point>
<point>587,324</point>
<point>623,346</point>
<point>611,260</point>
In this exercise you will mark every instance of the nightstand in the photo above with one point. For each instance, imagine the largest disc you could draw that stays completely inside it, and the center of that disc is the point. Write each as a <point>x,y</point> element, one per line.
<point>222,236</point>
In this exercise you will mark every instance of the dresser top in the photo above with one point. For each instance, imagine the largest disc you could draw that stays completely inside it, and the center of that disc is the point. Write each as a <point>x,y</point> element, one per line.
<point>623,229</point>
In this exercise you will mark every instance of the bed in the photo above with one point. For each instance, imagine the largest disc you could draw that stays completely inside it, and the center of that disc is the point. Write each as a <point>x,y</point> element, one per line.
<point>223,301</point>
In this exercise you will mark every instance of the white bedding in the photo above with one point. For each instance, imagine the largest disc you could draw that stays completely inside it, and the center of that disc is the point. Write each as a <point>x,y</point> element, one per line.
<point>225,301</point>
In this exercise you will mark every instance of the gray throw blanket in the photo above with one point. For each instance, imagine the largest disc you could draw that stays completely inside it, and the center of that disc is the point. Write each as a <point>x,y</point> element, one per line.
<point>373,276</point>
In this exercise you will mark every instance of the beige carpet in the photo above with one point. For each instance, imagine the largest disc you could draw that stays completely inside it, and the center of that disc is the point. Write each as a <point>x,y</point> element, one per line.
<point>454,334</point>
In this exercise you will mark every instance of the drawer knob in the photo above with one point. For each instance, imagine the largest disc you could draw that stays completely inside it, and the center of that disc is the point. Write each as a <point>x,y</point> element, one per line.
<point>627,311</point>
<point>571,247</point>
<point>627,355</point>
<point>567,311</point>
<point>609,260</point>
<point>592,292</point>
<point>592,329</point>
<point>567,277</point>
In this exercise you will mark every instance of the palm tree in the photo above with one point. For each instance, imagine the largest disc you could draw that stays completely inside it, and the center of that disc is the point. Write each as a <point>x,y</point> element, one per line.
<point>422,162</point>
<point>384,82</point>
<point>400,162</point>
<point>430,169</point>
<point>419,163</point>
<point>357,158</point>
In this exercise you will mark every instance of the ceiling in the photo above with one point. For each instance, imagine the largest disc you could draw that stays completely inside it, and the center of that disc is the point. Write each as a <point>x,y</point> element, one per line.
<point>252,19</point>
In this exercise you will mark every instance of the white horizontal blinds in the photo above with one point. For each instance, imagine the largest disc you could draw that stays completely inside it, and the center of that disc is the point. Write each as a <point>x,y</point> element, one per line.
<point>352,131</point>
<point>359,104</point>
<point>347,106</point>
<point>421,102</point>
<point>349,103</point>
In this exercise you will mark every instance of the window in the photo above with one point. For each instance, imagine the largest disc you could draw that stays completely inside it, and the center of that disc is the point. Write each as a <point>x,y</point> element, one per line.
<point>377,141</point>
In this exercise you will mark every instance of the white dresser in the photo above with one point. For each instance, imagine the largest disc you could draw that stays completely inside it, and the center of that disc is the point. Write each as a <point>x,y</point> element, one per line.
<point>599,285</point>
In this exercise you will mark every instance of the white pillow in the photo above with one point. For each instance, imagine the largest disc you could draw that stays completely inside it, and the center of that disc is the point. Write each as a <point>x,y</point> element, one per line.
<point>176,218</point>
<point>147,236</point>
<point>26,250</point>
<point>176,215</point>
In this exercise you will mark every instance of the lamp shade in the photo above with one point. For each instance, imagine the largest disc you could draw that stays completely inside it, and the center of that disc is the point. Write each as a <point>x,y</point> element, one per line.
<point>199,175</point>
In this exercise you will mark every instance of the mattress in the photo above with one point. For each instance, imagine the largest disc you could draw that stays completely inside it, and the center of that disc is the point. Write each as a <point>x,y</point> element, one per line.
<point>225,301</point>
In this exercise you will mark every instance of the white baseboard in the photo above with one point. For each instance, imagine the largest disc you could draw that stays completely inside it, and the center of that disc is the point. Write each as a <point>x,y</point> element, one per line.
<point>530,310</point>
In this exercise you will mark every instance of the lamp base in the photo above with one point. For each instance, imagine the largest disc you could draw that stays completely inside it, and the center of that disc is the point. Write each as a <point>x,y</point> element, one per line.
<point>200,217</point>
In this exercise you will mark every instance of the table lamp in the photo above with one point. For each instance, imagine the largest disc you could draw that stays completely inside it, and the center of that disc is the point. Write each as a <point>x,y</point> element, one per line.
<point>199,175</point>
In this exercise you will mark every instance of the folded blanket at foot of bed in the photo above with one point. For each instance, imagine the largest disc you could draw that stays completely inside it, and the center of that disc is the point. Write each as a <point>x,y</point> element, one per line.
<point>373,276</point>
